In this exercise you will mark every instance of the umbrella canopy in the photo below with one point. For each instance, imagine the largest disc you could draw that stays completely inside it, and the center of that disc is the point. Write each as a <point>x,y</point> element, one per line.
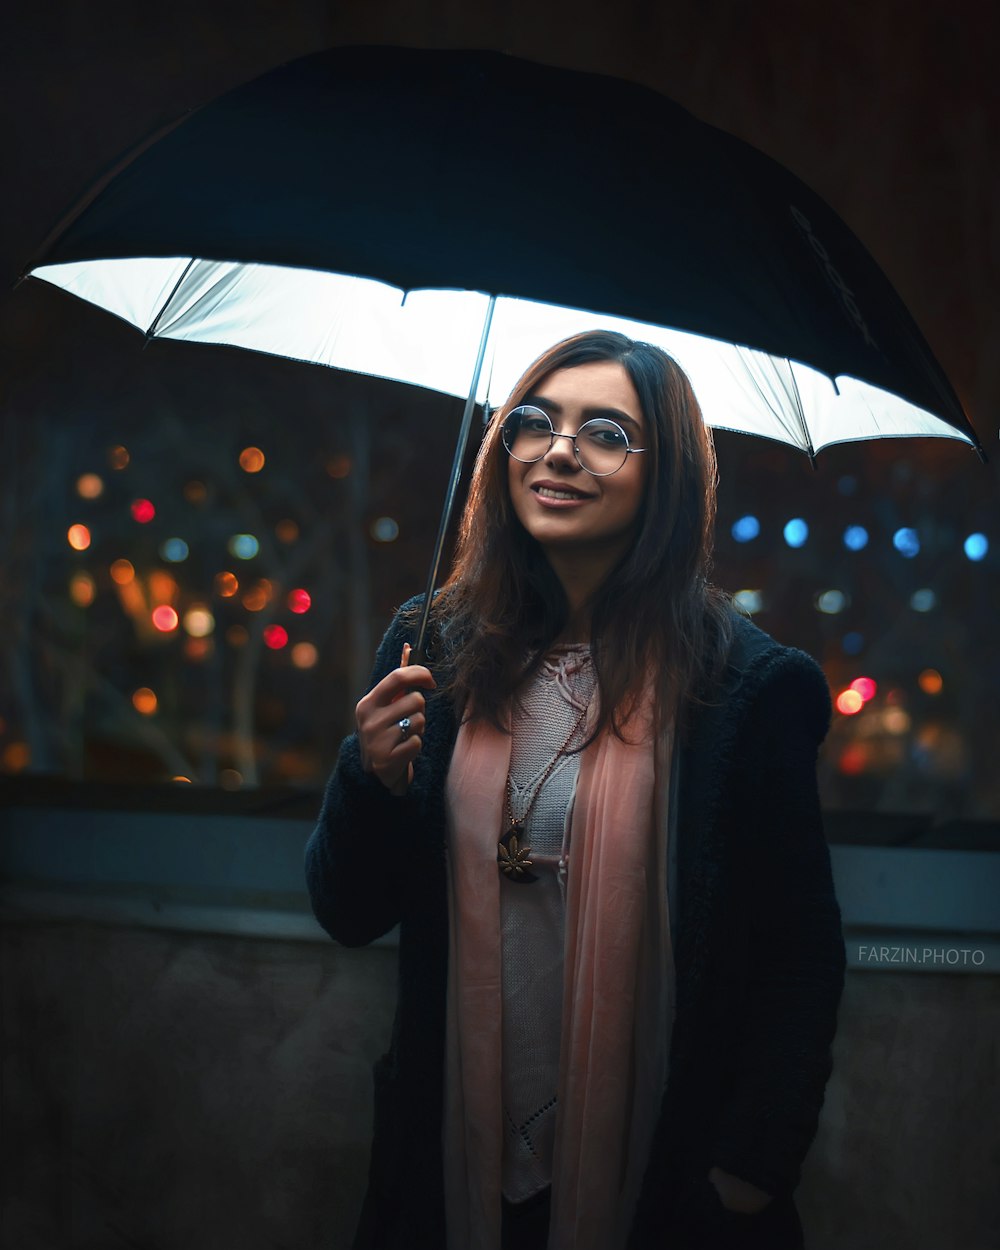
<point>377,209</point>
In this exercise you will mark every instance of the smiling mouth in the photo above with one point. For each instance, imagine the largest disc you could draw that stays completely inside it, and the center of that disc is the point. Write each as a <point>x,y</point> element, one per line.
<point>549,492</point>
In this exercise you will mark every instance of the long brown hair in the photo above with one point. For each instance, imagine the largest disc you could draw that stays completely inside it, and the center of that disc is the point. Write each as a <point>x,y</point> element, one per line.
<point>655,612</point>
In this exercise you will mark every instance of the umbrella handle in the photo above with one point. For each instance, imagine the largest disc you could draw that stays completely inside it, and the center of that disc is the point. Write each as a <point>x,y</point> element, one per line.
<point>417,653</point>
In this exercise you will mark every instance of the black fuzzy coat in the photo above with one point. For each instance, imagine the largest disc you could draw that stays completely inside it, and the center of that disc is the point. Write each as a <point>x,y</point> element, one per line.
<point>758,952</point>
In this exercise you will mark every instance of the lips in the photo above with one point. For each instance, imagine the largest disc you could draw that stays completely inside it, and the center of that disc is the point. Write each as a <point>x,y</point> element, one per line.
<point>559,491</point>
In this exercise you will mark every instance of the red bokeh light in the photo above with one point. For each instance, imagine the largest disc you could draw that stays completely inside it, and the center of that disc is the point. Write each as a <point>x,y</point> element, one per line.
<point>275,637</point>
<point>165,619</point>
<point>865,687</point>
<point>142,511</point>
<point>299,601</point>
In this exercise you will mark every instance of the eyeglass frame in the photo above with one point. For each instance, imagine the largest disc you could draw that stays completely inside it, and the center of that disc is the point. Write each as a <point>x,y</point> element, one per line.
<point>554,434</point>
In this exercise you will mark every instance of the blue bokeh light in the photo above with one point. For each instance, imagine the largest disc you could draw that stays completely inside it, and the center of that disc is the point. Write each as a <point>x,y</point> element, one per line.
<point>244,546</point>
<point>796,532</point>
<point>852,643</point>
<point>906,542</point>
<point>976,546</point>
<point>746,529</point>
<point>924,600</point>
<point>855,538</point>
<point>175,550</point>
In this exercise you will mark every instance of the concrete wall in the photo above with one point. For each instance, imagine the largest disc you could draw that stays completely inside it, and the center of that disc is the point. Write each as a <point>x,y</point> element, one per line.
<point>183,1091</point>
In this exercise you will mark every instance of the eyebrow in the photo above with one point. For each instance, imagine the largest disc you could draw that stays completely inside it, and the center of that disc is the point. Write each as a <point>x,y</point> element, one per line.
<point>589,414</point>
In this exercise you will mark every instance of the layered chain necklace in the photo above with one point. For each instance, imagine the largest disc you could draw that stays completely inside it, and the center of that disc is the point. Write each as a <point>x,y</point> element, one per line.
<point>513,857</point>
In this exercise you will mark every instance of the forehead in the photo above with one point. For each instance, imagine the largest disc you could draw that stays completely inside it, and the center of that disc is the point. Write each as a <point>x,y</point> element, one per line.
<point>600,384</point>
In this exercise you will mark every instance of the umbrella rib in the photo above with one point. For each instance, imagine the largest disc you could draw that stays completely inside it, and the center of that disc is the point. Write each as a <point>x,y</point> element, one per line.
<point>417,655</point>
<point>166,303</point>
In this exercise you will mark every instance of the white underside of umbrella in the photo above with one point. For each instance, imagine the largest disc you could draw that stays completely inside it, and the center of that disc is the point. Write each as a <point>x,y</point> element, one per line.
<point>430,338</point>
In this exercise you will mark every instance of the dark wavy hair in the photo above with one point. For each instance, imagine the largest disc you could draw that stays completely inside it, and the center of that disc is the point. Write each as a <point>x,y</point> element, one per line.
<point>655,614</point>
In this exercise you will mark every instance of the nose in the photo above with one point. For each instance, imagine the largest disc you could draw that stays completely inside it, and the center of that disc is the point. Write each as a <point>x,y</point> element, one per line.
<point>561,456</point>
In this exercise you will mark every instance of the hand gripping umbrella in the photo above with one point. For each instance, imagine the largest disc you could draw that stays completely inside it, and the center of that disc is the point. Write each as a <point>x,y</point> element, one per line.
<point>442,217</point>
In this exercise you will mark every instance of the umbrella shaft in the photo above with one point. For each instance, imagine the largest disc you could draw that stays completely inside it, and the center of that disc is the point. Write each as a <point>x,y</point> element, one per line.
<point>417,655</point>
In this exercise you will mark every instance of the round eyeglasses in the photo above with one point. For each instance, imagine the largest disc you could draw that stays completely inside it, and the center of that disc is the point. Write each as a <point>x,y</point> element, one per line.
<point>601,446</point>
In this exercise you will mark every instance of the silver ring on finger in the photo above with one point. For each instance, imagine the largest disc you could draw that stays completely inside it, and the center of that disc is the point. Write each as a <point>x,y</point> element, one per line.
<point>404,726</point>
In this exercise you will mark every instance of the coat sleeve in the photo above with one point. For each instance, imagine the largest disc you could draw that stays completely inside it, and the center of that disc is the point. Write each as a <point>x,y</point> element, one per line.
<point>355,859</point>
<point>792,961</point>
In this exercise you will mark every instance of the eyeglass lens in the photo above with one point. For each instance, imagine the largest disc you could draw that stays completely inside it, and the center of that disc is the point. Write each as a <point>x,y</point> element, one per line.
<point>601,445</point>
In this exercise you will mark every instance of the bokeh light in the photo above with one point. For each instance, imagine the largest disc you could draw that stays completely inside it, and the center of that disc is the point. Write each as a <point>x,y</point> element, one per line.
<point>853,759</point>
<point>304,655</point>
<point>162,587</point>
<point>749,600</point>
<point>16,757</point>
<point>199,621</point>
<point>865,687</point>
<point>175,550</point>
<point>796,532</point>
<point>243,546</point>
<point>118,457</point>
<point>78,537</point>
<point>237,636</point>
<point>338,466</point>
<point>143,511</point>
<point>976,547</point>
<point>164,618</point>
<point>849,702</point>
<point>923,600</point>
<point>930,681</point>
<point>385,529</point>
<point>82,589</point>
<point>251,460</point>
<point>89,486</point>
<point>746,529</point>
<point>275,637</point>
<point>195,491</point>
<point>287,530</point>
<point>299,600</point>
<point>831,602</point>
<point>258,596</point>
<point>145,701</point>
<point>122,572</point>
<point>197,649</point>
<point>230,779</point>
<point>852,643</point>
<point>855,538</point>
<point>895,721</point>
<point>907,542</point>
<point>226,585</point>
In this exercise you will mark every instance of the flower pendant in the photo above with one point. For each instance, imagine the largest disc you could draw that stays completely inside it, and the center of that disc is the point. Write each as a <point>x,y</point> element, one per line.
<point>513,857</point>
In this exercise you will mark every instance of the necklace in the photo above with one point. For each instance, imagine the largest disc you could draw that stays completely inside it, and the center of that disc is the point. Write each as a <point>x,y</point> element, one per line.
<point>512,854</point>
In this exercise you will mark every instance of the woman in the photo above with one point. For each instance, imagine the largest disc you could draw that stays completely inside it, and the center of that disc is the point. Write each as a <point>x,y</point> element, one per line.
<point>595,820</point>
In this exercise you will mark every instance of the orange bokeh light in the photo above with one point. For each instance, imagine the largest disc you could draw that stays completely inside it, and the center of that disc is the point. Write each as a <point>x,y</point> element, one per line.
<point>118,457</point>
<point>78,537</point>
<point>16,757</point>
<point>164,618</point>
<point>144,700</point>
<point>122,572</point>
<point>931,681</point>
<point>338,466</point>
<point>304,655</point>
<point>287,530</point>
<point>226,585</point>
<point>251,460</point>
<point>89,486</point>
<point>849,702</point>
<point>82,589</point>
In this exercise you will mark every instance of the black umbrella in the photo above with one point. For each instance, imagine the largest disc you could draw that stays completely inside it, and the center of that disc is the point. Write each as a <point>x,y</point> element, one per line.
<point>416,214</point>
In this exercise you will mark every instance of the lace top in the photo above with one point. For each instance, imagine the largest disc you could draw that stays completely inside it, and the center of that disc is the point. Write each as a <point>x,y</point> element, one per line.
<point>532,916</point>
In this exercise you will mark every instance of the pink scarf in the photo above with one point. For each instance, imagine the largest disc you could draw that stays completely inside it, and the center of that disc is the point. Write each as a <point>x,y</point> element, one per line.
<point>617,998</point>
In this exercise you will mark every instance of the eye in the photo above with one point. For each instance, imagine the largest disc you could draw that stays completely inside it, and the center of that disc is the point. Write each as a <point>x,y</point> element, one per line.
<point>531,421</point>
<point>604,434</point>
